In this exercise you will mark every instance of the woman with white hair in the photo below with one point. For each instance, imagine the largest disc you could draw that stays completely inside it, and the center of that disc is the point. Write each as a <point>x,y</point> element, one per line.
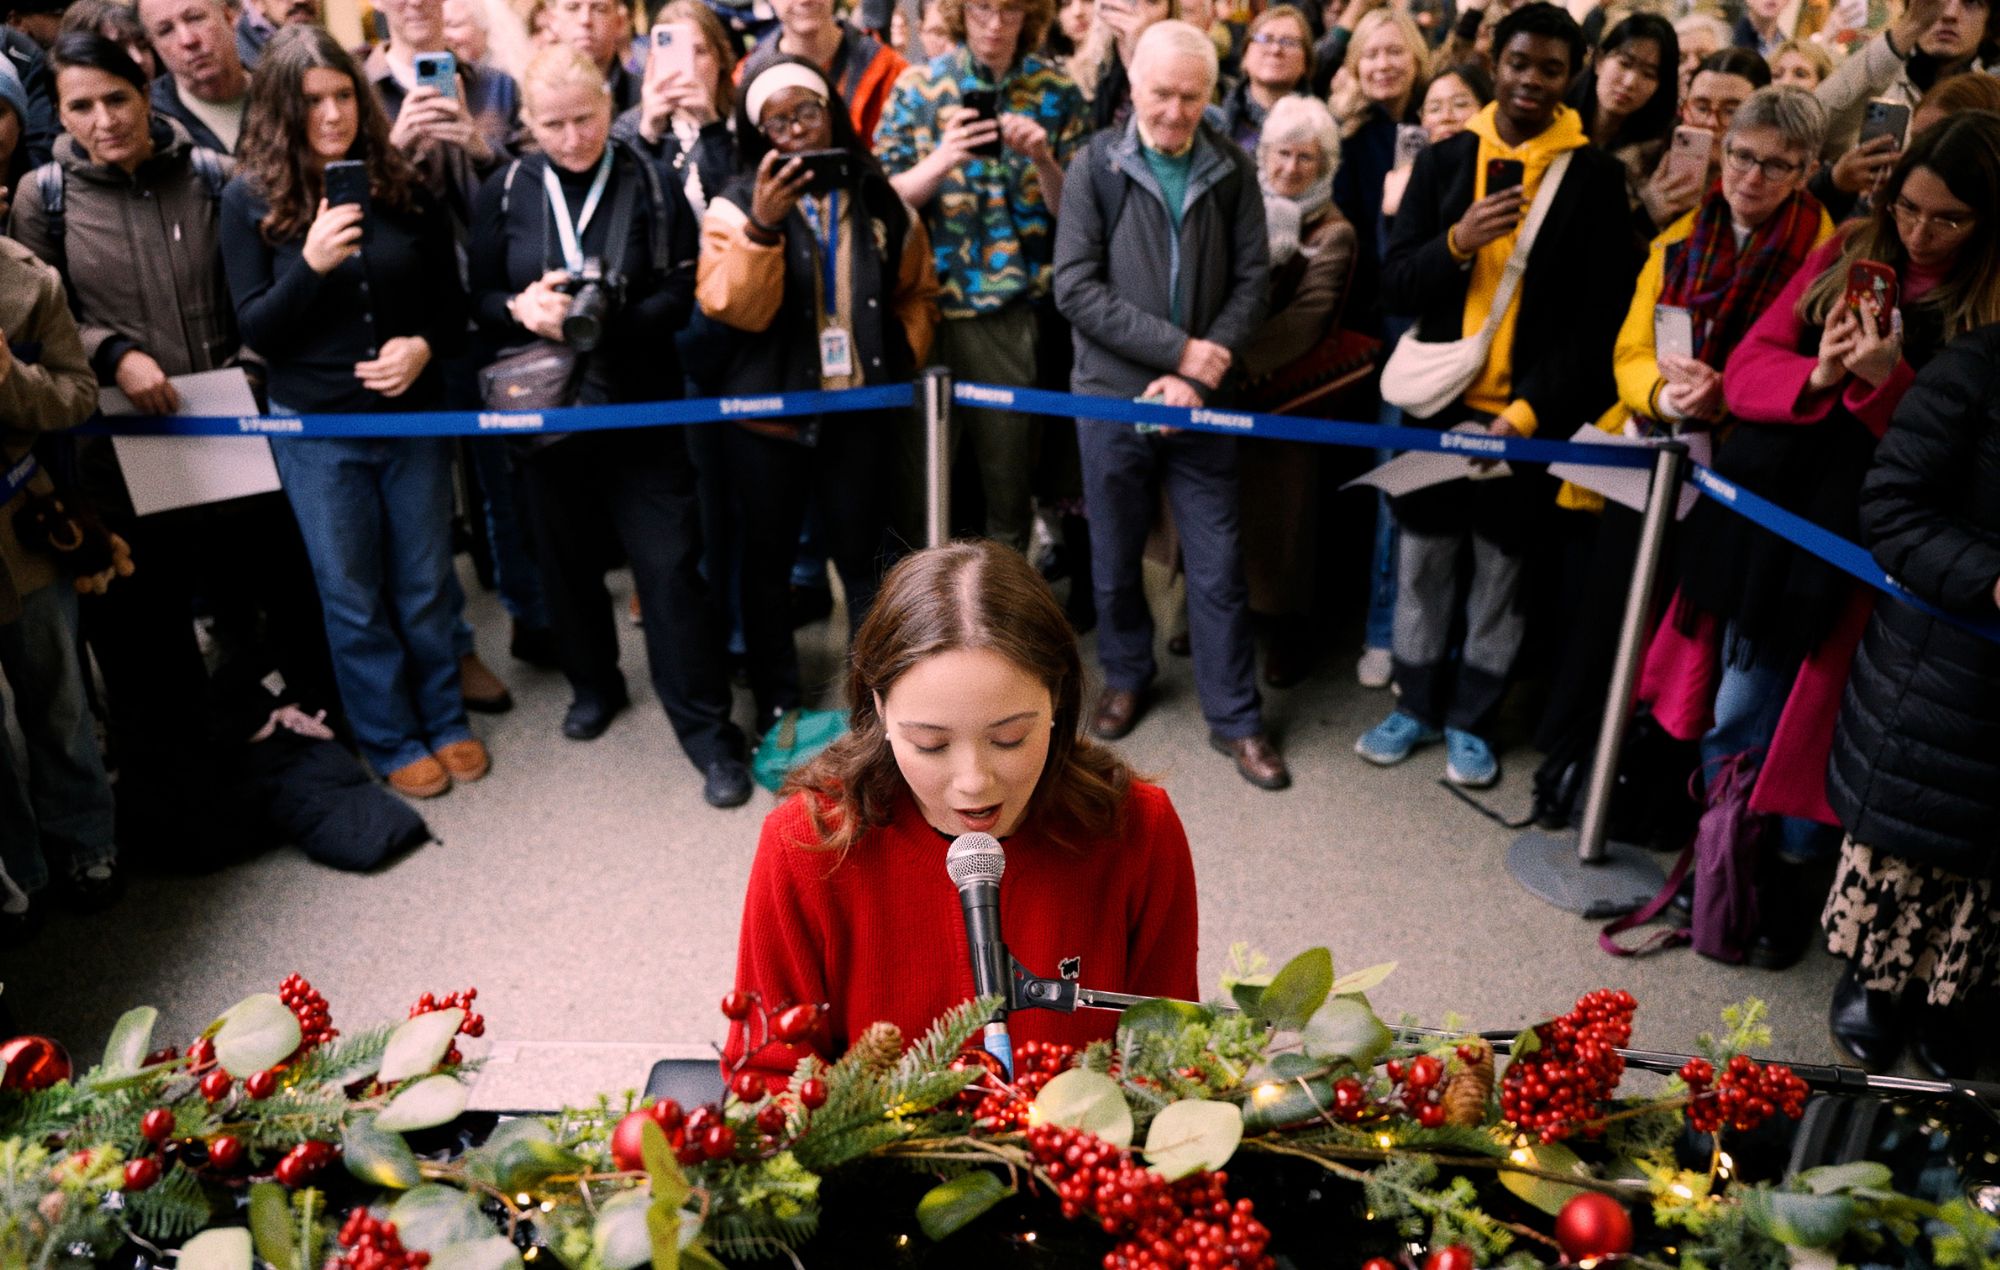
<point>1312,259</point>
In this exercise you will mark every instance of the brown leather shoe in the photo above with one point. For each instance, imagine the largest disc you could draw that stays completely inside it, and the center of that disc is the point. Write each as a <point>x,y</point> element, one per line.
<point>425,778</point>
<point>1257,760</point>
<point>480,688</point>
<point>1116,714</point>
<point>465,760</point>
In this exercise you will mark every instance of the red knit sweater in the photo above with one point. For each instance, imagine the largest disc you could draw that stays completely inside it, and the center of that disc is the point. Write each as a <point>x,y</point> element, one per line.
<point>880,935</point>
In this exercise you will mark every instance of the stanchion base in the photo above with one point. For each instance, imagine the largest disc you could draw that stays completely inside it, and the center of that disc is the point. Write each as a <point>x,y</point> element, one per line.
<point>1546,865</point>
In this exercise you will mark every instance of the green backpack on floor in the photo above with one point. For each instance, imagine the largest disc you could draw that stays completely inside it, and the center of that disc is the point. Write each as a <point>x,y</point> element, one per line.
<point>792,742</point>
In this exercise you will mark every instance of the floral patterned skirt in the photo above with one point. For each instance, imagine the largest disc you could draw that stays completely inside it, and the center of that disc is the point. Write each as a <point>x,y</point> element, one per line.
<point>1900,920</point>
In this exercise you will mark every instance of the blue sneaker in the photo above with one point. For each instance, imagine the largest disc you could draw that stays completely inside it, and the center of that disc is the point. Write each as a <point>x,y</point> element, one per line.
<point>1468,760</point>
<point>1391,740</point>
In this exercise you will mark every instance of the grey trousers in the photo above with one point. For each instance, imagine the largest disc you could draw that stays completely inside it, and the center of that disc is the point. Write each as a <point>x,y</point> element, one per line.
<point>1437,690</point>
<point>997,348</point>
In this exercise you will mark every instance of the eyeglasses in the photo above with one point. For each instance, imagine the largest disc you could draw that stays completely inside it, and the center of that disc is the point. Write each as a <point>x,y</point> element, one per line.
<point>1283,43</point>
<point>1741,161</point>
<point>1908,213</point>
<point>1635,67</point>
<point>1705,113</point>
<point>1000,13</point>
<point>805,118</point>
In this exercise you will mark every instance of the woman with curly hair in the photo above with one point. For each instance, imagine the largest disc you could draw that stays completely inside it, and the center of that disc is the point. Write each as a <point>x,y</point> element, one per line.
<point>353,306</point>
<point>967,700</point>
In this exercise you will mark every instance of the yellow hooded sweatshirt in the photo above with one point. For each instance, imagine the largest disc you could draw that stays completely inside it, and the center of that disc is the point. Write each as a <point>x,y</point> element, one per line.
<point>1492,392</point>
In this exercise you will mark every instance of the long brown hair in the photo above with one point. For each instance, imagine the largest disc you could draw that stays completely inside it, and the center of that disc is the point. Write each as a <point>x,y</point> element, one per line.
<point>274,148</point>
<point>1963,151</point>
<point>974,594</point>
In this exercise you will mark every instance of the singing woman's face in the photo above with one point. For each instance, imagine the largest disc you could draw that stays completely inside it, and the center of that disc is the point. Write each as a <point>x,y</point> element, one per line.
<point>970,731</point>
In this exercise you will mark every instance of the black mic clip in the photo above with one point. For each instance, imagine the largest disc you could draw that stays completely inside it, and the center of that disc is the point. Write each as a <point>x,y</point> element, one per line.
<point>1027,991</point>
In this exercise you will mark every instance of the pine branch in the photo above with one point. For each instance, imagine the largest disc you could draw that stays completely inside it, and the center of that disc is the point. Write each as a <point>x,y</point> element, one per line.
<point>946,1037</point>
<point>347,1059</point>
<point>172,1208</point>
<point>758,1234</point>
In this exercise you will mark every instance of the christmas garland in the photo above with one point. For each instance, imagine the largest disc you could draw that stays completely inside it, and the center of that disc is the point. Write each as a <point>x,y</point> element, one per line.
<point>274,1137</point>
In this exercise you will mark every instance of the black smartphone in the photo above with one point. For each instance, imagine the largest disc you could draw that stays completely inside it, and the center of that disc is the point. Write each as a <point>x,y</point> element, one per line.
<point>984,102</point>
<point>347,182</point>
<point>1503,174</point>
<point>1885,119</point>
<point>829,169</point>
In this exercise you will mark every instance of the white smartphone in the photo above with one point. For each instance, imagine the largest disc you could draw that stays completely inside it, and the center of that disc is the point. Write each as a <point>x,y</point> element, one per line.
<point>1673,331</point>
<point>1690,153</point>
<point>673,49</point>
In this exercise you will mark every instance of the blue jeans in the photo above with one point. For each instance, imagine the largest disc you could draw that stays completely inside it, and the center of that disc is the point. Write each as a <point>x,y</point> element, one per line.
<point>376,517</point>
<point>59,802</point>
<point>1748,703</point>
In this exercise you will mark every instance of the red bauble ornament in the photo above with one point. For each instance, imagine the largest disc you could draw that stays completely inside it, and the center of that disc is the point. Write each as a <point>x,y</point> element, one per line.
<point>812,1093</point>
<point>1593,1225</point>
<point>157,1126</point>
<point>1450,1257</point>
<point>215,1085</point>
<point>226,1152</point>
<point>261,1084</point>
<point>625,1141</point>
<point>141,1173</point>
<point>33,1062</point>
<point>292,1171</point>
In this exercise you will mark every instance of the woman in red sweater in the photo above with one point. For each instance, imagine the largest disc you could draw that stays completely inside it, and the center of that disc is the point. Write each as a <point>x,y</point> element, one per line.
<point>966,687</point>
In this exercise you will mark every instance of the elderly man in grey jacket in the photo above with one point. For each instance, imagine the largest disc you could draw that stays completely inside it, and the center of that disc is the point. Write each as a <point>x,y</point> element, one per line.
<point>1161,268</point>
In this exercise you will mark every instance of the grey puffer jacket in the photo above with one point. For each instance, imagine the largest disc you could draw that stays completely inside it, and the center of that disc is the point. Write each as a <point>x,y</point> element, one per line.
<point>1915,767</point>
<point>1120,264</point>
<point>140,253</point>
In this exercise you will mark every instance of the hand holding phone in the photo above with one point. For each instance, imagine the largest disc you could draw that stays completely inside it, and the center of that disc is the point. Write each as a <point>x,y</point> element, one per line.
<point>1688,157</point>
<point>1884,118</point>
<point>983,104</point>
<point>1503,174</point>
<point>334,235</point>
<point>437,71</point>
<point>1492,217</point>
<point>827,170</point>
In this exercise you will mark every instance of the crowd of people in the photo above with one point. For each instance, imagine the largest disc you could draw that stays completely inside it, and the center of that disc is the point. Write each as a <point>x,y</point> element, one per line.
<point>1772,231</point>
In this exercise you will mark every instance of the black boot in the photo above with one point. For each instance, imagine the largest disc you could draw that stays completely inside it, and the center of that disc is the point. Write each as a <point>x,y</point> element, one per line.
<point>1789,897</point>
<point>1947,1041</point>
<point>1864,1022</point>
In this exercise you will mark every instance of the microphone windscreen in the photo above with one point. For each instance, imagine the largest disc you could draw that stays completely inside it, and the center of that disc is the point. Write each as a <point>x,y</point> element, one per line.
<point>975,857</point>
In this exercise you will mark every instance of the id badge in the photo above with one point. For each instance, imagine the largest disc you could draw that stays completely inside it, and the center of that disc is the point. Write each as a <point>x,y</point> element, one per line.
<point>836,353</point>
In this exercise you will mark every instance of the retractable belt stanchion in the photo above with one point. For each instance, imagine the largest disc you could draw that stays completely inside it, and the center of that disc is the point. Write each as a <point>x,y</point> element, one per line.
<point>937,456</point>
<point>1589,874</point>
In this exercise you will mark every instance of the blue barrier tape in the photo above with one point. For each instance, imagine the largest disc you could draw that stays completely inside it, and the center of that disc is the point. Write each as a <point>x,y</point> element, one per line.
<point>453,423</point>
<point>1832,548</point>
<point>16,478</point>
<point>1243,423</point>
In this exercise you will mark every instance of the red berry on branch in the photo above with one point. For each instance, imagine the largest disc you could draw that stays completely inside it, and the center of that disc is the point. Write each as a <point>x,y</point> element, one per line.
<point>1450,1257</point>
<point>157,1126</point>
<point>261,1084</point>
<point>667,1114</point>
<point>1431,1115</point>
<point>292,1171</point>
<point>1378,1263</point>
<point>625,1141</point>
<point>215,1085</point>
<point>748,1086</point>
<point>795,1024</point>
<point>718,1141</point>
<point>201,1053</point>
<point>141,1173</point>
<point>1350,1100</point>
<point>736,1006</point>
<point>226,1152</point>
<point>1425,1071</point>
<point>812,1093</point>
<point>771,1119</point>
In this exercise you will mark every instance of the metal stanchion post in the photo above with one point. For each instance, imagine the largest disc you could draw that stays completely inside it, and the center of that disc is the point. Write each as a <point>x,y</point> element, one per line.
<point>937,456</point>
<point>1590,875</point>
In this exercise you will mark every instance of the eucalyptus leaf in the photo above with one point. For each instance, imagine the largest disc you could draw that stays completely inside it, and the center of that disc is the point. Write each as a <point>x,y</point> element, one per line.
<point>1860,1175</point>
<point>256,1033</point>
<point>1297,990</point>
<point>224,1248</point>
<point>271,1225</point>
<point>416,1047</point>
<point>621,1239</point>
<point>951,1206</point>
<point>669,1184</point>
<point>131,1038</point>
<point>432,1101</point>
<point>1805,1221</point>
<point>1292,1064</point>
<point>1552,1157</point>
<point>1278,1103</point>
<point>1353,985</point>
<point>377,1155</point>
<point>1162,1017</point>
<point>1086,1100</point>
<point>666,1233</point>
<point>482,1162</point>
<point>1347,1029</point>
<point>1193,1135</point>
<point>495,1252</point>
<point>1248,994</point>
<point>432,1217</point>
<point>526,1162</point>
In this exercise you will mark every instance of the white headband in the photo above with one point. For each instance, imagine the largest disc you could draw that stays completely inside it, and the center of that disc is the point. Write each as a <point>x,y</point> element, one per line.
<point>776,80</point>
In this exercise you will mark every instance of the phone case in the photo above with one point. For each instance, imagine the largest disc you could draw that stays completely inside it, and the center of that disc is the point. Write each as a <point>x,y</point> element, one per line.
<point>1871,280</point>
<point>1673,331</point>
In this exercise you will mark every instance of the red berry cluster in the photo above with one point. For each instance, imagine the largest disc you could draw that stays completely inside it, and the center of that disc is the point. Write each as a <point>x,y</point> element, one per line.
<point>1748,1094</point>
<point>999,1108</point>
<point>1556,1088</point>
<point>302,999</point>
<point>372,1244</point>
<point>297,1166</point>
<point>471,1025</point>
<point>1164,1225</point>
<point>1418,1086</point>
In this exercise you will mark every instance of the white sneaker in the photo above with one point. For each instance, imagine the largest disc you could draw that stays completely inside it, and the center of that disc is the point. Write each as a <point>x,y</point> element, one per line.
<point>1375,668</point>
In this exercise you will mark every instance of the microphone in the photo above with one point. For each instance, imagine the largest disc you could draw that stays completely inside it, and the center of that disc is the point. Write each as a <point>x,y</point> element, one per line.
<point>975,863</point>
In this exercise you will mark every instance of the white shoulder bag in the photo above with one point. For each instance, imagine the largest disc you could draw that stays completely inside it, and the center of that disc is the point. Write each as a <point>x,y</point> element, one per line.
<point>1423,379</point>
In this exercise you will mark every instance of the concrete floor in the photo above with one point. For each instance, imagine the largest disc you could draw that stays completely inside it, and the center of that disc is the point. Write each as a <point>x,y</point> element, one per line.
<point>593,898</point>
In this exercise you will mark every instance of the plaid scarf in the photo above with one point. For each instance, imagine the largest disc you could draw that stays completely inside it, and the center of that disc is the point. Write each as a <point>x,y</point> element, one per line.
<point>1727,288</point>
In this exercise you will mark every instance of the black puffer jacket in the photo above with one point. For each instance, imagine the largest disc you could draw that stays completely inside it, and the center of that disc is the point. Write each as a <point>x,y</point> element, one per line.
<point>1915,768</point>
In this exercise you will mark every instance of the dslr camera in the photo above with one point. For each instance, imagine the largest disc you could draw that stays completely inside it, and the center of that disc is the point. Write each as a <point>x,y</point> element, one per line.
<point>595,294</point>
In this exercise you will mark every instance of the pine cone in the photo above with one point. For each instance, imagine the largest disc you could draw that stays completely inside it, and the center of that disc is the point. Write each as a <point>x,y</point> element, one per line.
<point>1467,1090</point>
<point>878,1047</point>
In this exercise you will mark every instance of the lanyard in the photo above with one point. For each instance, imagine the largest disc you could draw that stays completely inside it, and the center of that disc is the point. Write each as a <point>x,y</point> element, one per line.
<point>571,236</point>
<point>15,478</point>
<point>829,243</point>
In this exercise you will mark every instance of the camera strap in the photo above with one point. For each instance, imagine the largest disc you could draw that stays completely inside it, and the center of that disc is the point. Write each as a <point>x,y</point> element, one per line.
<point>570,235</point>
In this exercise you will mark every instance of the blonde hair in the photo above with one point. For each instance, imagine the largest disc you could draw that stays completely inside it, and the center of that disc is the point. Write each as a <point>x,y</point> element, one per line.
<point>1347,100</point>
<point>1811,50</point>
<point>559,66</point>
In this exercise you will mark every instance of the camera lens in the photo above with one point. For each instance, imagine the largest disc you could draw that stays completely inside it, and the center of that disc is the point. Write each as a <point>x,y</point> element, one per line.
<point>583,326</point>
